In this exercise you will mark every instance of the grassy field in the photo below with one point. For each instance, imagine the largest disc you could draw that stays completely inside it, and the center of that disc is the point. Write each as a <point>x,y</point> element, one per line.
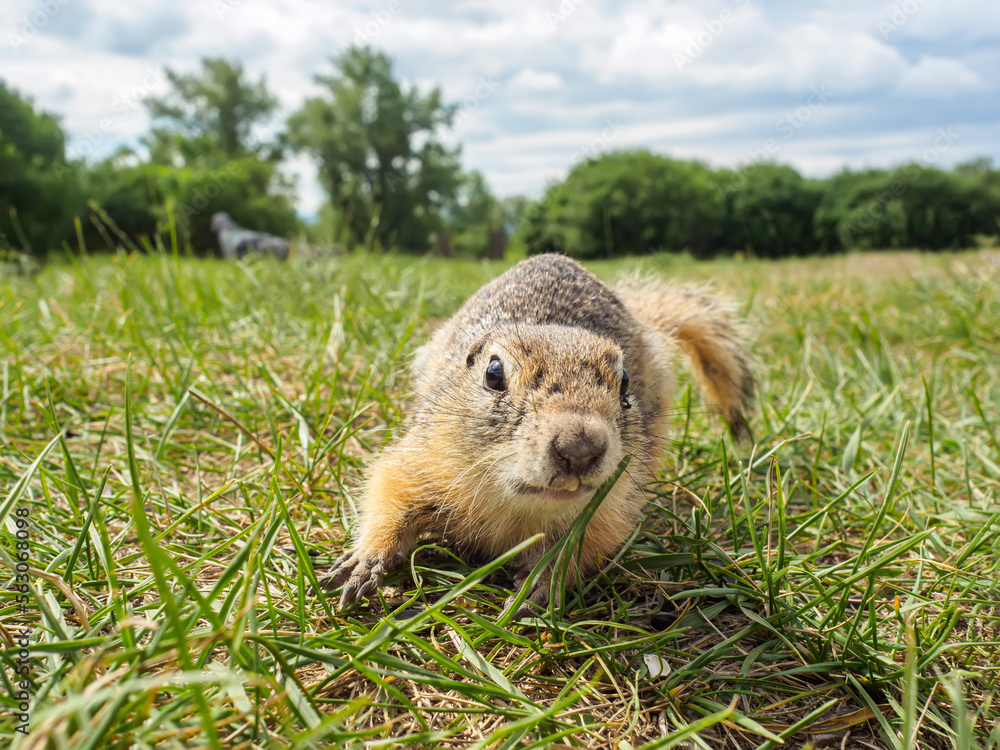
<point>181,441</point>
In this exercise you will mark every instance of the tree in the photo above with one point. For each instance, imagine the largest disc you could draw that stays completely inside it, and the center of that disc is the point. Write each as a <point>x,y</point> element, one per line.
<point>945,209</point>
<point>913,206</point>
<point>129,194</point>
<point>859,210</point>
<point>39,193</point>
<point>212,115</point>
<point>204,158</point>
<point>476,219</point>
<point>770,210</point>
<point>388,175</point>
<point>627,202</point>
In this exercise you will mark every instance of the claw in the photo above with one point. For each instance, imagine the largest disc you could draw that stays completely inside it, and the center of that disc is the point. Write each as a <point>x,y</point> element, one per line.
<point>367,588</point>
<point>340,572</point>
<point>536,600</point>
<point>330,581</point>
<point>347,596</point>
<point>359,574</point>
<point>525,610</point>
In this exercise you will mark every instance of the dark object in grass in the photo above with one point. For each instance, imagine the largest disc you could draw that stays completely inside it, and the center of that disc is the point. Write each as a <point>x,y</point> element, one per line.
<point>236,242</point>
<point>663,620</point>
<point>528,399</point>
<point>409,613</point>
<point>291,550</point>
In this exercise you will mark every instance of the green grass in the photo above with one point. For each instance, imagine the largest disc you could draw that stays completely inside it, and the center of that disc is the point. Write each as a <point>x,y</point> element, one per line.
<point>188,437</point>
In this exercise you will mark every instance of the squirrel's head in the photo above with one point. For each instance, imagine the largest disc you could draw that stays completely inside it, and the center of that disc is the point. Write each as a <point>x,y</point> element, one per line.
<point>550,410</point>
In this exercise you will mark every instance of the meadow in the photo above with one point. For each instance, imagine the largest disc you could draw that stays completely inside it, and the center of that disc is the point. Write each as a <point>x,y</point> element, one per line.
<point>182,442</point>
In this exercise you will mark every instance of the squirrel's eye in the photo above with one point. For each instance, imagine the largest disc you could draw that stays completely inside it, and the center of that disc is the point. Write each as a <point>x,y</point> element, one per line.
<point>624,389</point>
<point>494,379</point>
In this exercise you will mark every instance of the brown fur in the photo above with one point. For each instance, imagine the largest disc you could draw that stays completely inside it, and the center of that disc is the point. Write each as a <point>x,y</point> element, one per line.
<point>487,469</point>
<point>702,325</point>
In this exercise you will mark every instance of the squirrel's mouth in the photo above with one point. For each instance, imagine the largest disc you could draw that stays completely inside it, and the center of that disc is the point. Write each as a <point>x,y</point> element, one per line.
<point>582,492</point>
<point>559,495</point>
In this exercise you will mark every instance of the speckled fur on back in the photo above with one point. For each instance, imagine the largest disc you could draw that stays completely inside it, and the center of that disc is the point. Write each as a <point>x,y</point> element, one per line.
<point>527,399</point>
<point>542,289</point>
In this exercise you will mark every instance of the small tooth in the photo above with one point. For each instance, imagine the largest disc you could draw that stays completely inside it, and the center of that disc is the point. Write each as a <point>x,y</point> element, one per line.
<point>573,485</point>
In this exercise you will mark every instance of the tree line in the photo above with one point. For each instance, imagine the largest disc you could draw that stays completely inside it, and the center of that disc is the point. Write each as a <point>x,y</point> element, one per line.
<point>635,202</point>
<point>217,144</point>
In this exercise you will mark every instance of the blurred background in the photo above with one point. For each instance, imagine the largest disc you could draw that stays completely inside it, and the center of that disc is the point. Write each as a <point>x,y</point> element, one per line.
<point>759,127</point>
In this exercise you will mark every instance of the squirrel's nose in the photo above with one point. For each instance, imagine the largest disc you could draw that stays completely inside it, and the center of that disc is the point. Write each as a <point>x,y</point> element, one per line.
<point>576,451</point>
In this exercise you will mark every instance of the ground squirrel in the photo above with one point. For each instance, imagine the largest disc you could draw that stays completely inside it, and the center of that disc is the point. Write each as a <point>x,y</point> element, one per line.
<point>526,401</point>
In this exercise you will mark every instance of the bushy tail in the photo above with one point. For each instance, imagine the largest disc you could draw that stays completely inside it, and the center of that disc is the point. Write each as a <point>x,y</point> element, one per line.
<point>703,326</point>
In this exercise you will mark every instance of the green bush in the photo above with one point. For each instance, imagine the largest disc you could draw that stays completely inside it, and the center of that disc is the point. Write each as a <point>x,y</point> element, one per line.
<point>243,189</point>
<point>628,202</point>
<point>770,211</point>
<point>142,200</point>
<point>39,194</point>
<point>128,195</point>
<point>910,207</point>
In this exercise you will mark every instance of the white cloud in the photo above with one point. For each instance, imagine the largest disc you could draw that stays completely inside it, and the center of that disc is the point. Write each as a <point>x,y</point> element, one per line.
<point>530,79</point>
<point>962,21</point>
<point>743,47</point>
<point>940,78</point>
<point>560,79</point>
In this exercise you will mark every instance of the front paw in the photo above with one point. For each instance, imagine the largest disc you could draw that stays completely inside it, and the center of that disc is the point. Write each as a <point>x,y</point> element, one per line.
<point>358,572</point>
<point>536,600</point>
<point>532,606</point>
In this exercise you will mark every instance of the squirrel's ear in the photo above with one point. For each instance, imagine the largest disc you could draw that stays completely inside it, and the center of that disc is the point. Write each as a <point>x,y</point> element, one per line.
<point>474,351</point>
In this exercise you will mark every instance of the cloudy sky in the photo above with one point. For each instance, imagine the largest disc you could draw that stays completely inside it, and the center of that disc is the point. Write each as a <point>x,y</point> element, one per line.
<point>543,83</point>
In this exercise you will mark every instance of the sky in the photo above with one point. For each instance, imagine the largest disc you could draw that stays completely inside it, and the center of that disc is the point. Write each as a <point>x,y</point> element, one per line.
<point>542,84</point>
